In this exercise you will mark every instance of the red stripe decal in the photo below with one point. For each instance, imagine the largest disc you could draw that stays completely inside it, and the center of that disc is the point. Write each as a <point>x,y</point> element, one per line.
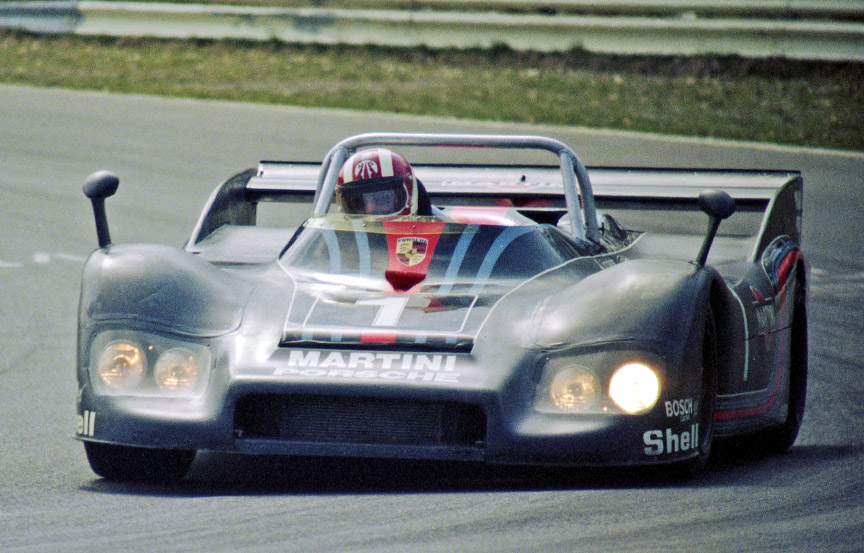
<point>783,273</point>
<point>481,215</point>
<point>786,265</point>
<point>378,338</point>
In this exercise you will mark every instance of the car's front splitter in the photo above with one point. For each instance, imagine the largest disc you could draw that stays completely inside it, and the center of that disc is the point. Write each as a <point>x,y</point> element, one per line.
<point>524,436</point>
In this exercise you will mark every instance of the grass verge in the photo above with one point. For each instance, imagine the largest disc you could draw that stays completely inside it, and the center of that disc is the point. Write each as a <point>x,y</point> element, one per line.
<point>780,101</point>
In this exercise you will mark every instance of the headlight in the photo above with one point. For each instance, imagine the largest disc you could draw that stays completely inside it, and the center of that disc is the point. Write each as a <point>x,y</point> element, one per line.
<point>121,365</point>
<point>141,364</point>
<point>177,370</point>
<point>601,382</point>
<point>634,388</point>
<point>567,388</point>
<point>573,388</point>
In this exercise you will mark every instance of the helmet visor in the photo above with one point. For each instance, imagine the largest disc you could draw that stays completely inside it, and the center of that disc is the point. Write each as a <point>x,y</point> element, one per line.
<point>385,196</point>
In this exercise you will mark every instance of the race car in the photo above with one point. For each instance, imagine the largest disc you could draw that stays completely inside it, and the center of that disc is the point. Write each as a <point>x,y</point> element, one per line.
<point>523,313</point>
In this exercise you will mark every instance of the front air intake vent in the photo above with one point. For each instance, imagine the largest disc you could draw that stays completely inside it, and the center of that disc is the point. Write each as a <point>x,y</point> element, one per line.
<point>327,419</point>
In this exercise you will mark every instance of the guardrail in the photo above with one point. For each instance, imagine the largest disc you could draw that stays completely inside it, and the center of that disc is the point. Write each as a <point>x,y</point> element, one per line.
<point>775,9</point>
<point>816,39</point>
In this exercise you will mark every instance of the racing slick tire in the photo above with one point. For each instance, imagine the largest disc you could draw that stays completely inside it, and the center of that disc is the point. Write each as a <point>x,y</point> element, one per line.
<point>704,355</point>
<point>138,464</point>
<point>708,396</point>
<point>777,439</point>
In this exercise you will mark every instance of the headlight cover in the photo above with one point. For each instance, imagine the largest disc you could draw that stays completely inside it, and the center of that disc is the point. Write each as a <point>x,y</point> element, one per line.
<point>121,364</point>
<point>141,364</point>
<point>598,383</point>
<point>634,387</point>
<point>567,387</point>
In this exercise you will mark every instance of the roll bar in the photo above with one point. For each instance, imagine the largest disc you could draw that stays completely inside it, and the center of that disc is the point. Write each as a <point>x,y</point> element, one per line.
<point>582,218</point>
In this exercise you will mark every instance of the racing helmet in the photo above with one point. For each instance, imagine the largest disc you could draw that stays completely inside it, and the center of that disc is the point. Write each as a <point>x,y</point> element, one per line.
<point>377,182</point>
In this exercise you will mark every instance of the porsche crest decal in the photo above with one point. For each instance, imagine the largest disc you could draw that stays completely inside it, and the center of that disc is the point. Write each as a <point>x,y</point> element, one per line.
<point>411,250</point>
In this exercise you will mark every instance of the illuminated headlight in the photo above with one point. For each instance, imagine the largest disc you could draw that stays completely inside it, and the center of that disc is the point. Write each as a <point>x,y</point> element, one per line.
<point>139,364</point>
<point>567,388</point>
<point>634,388</point>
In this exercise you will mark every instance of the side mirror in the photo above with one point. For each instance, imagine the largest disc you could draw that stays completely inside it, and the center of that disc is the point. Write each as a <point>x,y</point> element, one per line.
<point>718,205</point>
<point>101,185</point>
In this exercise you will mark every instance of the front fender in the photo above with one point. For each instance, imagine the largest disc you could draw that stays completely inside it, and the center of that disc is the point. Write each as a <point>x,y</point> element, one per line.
<point>650,302</point>
<point>163,288</point>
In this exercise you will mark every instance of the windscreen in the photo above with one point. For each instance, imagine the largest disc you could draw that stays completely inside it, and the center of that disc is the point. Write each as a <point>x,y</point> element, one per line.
<point>444,254</point>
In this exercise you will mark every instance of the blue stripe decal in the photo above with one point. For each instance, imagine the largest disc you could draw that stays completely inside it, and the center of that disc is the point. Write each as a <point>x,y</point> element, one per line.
<point>363,255</point>
<point>498,246</point>
<point>308,335</point>
<point>457,258</point>
<point>333,250</point>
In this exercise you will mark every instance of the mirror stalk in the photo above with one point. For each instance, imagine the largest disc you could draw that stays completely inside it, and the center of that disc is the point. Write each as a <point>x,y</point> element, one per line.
<point>718,205</point>
<point>101,185</point>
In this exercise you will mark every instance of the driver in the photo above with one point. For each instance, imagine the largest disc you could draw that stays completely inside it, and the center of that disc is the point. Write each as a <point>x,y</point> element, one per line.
<point>380,182</point>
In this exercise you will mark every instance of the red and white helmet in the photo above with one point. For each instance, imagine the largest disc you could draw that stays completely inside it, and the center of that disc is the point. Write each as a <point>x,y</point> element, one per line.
<point>377,182</point>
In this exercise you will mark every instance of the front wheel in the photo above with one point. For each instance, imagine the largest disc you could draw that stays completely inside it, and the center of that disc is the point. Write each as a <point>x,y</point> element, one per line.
<point>708,395</point>
<point>138,464</point>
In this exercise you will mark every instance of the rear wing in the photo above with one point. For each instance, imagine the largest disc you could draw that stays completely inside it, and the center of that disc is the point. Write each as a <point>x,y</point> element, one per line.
<point>654,200</point>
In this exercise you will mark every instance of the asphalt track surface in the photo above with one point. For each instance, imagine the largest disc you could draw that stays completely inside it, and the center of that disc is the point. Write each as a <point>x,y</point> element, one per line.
<point>169,155</point>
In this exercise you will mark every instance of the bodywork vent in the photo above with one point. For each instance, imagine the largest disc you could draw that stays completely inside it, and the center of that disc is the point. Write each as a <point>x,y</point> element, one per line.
<point>327,419</point>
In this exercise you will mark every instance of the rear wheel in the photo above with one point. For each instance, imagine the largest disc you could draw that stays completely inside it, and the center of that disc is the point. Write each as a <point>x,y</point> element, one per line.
<point>138,464</point>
